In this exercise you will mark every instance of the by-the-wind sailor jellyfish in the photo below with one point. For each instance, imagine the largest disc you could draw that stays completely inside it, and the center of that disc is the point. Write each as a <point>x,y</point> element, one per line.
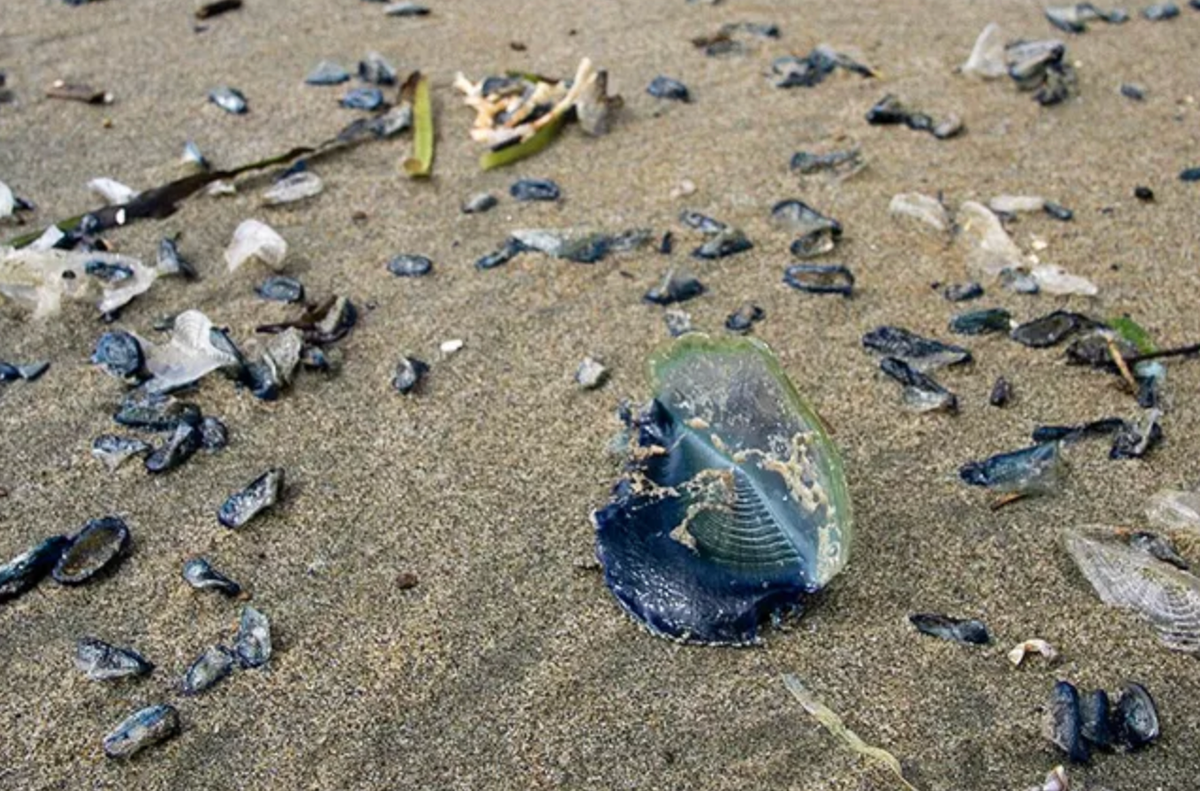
<point>733,505</point>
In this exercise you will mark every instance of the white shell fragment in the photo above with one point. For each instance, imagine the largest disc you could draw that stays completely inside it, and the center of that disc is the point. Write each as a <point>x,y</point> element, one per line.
<point>591,373</point>
<point>986,61</point>
<point>1132,579</point>
<point>187,357</point>
<point>450,347</point>
<point>1056,780</point>
<point>1036,645</point>
<point>8,203</point>
<point>295,187</point>
<point>922,208</point>
<point>113,193</point>
<point>989,248</point>
<point>41,278</point>
<point>1175,509</point>
<point>1053,279</point>
<point>1016,204</point>
<point>257,240</point>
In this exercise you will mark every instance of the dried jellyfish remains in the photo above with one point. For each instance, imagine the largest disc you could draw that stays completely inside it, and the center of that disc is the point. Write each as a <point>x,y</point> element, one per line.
<point>733,505</point>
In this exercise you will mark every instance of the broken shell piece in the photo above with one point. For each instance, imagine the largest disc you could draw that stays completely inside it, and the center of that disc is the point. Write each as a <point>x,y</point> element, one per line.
<point>1129,578</point>
<point>1036,645</point>
<point>254,239</point>
<point>986,60</point>
<point>924,209</point>
<point>295,187</point>
<point>1175,509</point>
<point>262,493</point>
<point>990,250</point>
<point>1056,280</point>
<point>451,346</point>
<point>1056,780</point>
<point>114,193</point>
<point>8,201</point>
<point>678,322</point>
<point>1016,204</point>
<point>142,729</point>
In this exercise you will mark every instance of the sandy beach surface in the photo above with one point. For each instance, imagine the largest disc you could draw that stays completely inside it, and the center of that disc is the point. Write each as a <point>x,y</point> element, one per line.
<point>510,665</point>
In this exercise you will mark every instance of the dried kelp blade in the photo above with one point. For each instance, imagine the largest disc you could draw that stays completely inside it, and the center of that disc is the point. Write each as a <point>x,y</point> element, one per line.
<point>833,723</point>
<point>1129,578</point>
<point>526,148</point>
<point>164,200</point>
<point>416,90</point>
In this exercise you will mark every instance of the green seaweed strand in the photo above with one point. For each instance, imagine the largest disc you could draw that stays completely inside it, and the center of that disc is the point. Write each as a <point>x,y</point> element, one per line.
<point>420,165</point>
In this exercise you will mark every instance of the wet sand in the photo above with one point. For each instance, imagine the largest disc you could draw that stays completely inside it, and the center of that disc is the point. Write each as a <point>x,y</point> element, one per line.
<point>509,665</point>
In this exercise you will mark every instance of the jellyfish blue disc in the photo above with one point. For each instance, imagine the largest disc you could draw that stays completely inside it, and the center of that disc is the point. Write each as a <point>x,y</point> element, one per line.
<point>733,505</point>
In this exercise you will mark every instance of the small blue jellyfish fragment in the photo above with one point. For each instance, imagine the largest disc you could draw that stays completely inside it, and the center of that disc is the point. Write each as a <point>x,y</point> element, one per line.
<point>1033,470</point>
<point>666,88</point>
<point>363,99</point>
<point>733,506</point>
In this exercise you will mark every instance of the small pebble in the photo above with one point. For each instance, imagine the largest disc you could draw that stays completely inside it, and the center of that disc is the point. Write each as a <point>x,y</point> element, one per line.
<point>479,203</point>
<point>1133,91</point>
<point>1058,211</point>
<point>1001,393</point>
<point>406,580</point>
<point>1144,194</point>
<point>678,322</point>
<point>591,374</point>
<point>405,9</point>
